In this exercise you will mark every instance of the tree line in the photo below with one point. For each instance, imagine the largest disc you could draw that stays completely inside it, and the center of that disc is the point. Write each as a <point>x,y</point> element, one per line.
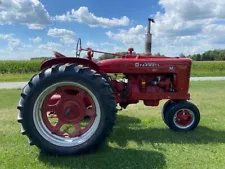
<point>108,56</point>
<point>211,55</point>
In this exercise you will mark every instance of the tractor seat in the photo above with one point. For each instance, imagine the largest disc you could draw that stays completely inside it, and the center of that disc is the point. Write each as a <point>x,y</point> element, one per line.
<point>59,55</point>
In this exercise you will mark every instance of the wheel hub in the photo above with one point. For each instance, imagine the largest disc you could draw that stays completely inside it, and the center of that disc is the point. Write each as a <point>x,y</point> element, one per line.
<point>70,112</point>
<point>70,106</point>
<point>184,118</point>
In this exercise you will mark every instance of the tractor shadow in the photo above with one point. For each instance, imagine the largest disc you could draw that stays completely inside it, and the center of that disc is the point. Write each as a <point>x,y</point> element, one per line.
<point>108,158</point>
<point>132,129</point>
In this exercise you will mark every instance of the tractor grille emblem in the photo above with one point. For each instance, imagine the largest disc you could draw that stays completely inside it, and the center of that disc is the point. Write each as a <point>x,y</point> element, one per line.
<point>147,64</point>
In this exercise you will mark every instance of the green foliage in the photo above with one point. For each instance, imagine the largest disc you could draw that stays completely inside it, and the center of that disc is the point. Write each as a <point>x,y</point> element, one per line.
<point>182,55</point>
<point>19,66</point>
<point>41,58</point>
<point>208,68</point>
<point>109,56</point>
<point>210,55</point>
<point>158,54</point>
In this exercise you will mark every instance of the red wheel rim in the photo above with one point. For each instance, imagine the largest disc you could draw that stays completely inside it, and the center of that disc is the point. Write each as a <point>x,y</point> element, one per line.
<point>70,107</point>
<point>184,118</point>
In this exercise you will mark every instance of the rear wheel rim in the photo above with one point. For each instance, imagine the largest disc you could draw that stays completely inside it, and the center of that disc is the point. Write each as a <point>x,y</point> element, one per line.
<point>66,114</point>
<point>184,118</point>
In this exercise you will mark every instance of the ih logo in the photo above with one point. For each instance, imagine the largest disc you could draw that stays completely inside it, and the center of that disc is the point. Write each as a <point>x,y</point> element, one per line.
<point>147,64</point>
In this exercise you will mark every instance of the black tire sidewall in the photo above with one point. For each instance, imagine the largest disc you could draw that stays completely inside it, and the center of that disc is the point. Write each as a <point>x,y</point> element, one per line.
<point>164,109</point>
<point>42,85</point>
<point>170,113</point>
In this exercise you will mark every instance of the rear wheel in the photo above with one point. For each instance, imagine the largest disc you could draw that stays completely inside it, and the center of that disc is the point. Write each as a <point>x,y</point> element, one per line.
<point>67,109</point>
<point>182,116</point>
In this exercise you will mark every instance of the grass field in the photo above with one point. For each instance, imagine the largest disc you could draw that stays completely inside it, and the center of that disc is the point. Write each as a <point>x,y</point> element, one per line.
<point>15,77</point>
<point>208,68</point>
<point>140,139</point>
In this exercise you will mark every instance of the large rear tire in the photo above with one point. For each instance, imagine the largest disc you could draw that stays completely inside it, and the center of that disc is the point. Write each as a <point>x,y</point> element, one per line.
<point>67,109</point>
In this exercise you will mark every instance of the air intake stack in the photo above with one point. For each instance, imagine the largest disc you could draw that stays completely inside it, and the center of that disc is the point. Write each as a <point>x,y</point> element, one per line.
<point>148,37</point>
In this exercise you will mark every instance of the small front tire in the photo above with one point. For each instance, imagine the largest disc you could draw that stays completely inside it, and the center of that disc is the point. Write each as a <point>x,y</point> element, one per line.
<point>164,109</point>
<point>182,116</point>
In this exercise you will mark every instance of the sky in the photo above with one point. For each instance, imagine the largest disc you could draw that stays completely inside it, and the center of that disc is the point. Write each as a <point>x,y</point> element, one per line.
<point>32,28</point>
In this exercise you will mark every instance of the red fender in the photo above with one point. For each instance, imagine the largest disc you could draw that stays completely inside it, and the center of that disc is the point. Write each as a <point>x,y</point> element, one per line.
<point>64,60</point>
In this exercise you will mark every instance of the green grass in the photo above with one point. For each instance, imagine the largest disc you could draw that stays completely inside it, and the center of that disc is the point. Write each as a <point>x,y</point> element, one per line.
<point>16,77</point>
<point>140,139</point>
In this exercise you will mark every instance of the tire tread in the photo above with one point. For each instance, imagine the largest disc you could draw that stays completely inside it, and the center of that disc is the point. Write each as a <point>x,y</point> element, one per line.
<point>69,69</point>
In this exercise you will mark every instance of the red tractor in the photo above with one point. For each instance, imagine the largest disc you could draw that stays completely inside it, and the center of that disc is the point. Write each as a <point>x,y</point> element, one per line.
<point>70,106</point>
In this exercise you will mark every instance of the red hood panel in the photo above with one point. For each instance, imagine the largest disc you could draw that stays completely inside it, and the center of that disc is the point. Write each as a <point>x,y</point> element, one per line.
<point>144,65</point>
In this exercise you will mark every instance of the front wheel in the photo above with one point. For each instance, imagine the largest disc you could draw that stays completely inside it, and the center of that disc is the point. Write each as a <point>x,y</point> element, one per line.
<point>67,109</point>
<point>182,116</point>
<point>165,108</point>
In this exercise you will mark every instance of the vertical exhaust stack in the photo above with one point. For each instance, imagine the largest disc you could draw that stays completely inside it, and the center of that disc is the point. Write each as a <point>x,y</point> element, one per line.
<point>148,37</point>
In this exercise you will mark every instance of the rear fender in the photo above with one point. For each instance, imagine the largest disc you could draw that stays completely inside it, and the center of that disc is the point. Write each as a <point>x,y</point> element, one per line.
<point>79,61</point>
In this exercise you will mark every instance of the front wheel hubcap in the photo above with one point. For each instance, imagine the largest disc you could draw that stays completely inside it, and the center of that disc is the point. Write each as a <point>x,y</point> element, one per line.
<point>184,118</point>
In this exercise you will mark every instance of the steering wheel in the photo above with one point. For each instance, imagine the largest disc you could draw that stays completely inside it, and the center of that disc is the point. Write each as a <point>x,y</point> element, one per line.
<point>79,48</point>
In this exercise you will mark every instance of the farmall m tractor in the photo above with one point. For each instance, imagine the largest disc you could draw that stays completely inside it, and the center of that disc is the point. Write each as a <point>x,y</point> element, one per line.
<point>70,106</point>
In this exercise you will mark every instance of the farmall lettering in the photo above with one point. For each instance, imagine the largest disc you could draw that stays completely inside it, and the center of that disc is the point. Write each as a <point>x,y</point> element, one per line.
<point>146,64</point>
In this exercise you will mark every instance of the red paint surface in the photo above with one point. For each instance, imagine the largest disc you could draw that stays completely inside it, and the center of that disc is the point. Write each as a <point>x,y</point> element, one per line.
<point>184,118</point>
<point>69,105</point>
<point>173,72</point>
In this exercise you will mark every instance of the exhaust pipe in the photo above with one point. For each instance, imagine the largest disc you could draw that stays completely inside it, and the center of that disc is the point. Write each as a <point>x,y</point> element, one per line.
<point>148,37</point>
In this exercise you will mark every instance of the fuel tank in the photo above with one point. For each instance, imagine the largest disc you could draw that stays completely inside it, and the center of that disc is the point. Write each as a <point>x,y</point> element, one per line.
<point>142,64</point>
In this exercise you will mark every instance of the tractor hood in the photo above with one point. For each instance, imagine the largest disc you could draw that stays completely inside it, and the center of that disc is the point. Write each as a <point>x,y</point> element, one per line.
<point>141,64</point>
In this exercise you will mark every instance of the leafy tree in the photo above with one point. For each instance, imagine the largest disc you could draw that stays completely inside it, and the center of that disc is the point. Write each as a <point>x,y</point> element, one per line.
<point>158,54</point>
<point>210,55</point>
<point>109,56</point>
<point>182,55</point>
<point>40,58</point>
<point>106,56</point>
